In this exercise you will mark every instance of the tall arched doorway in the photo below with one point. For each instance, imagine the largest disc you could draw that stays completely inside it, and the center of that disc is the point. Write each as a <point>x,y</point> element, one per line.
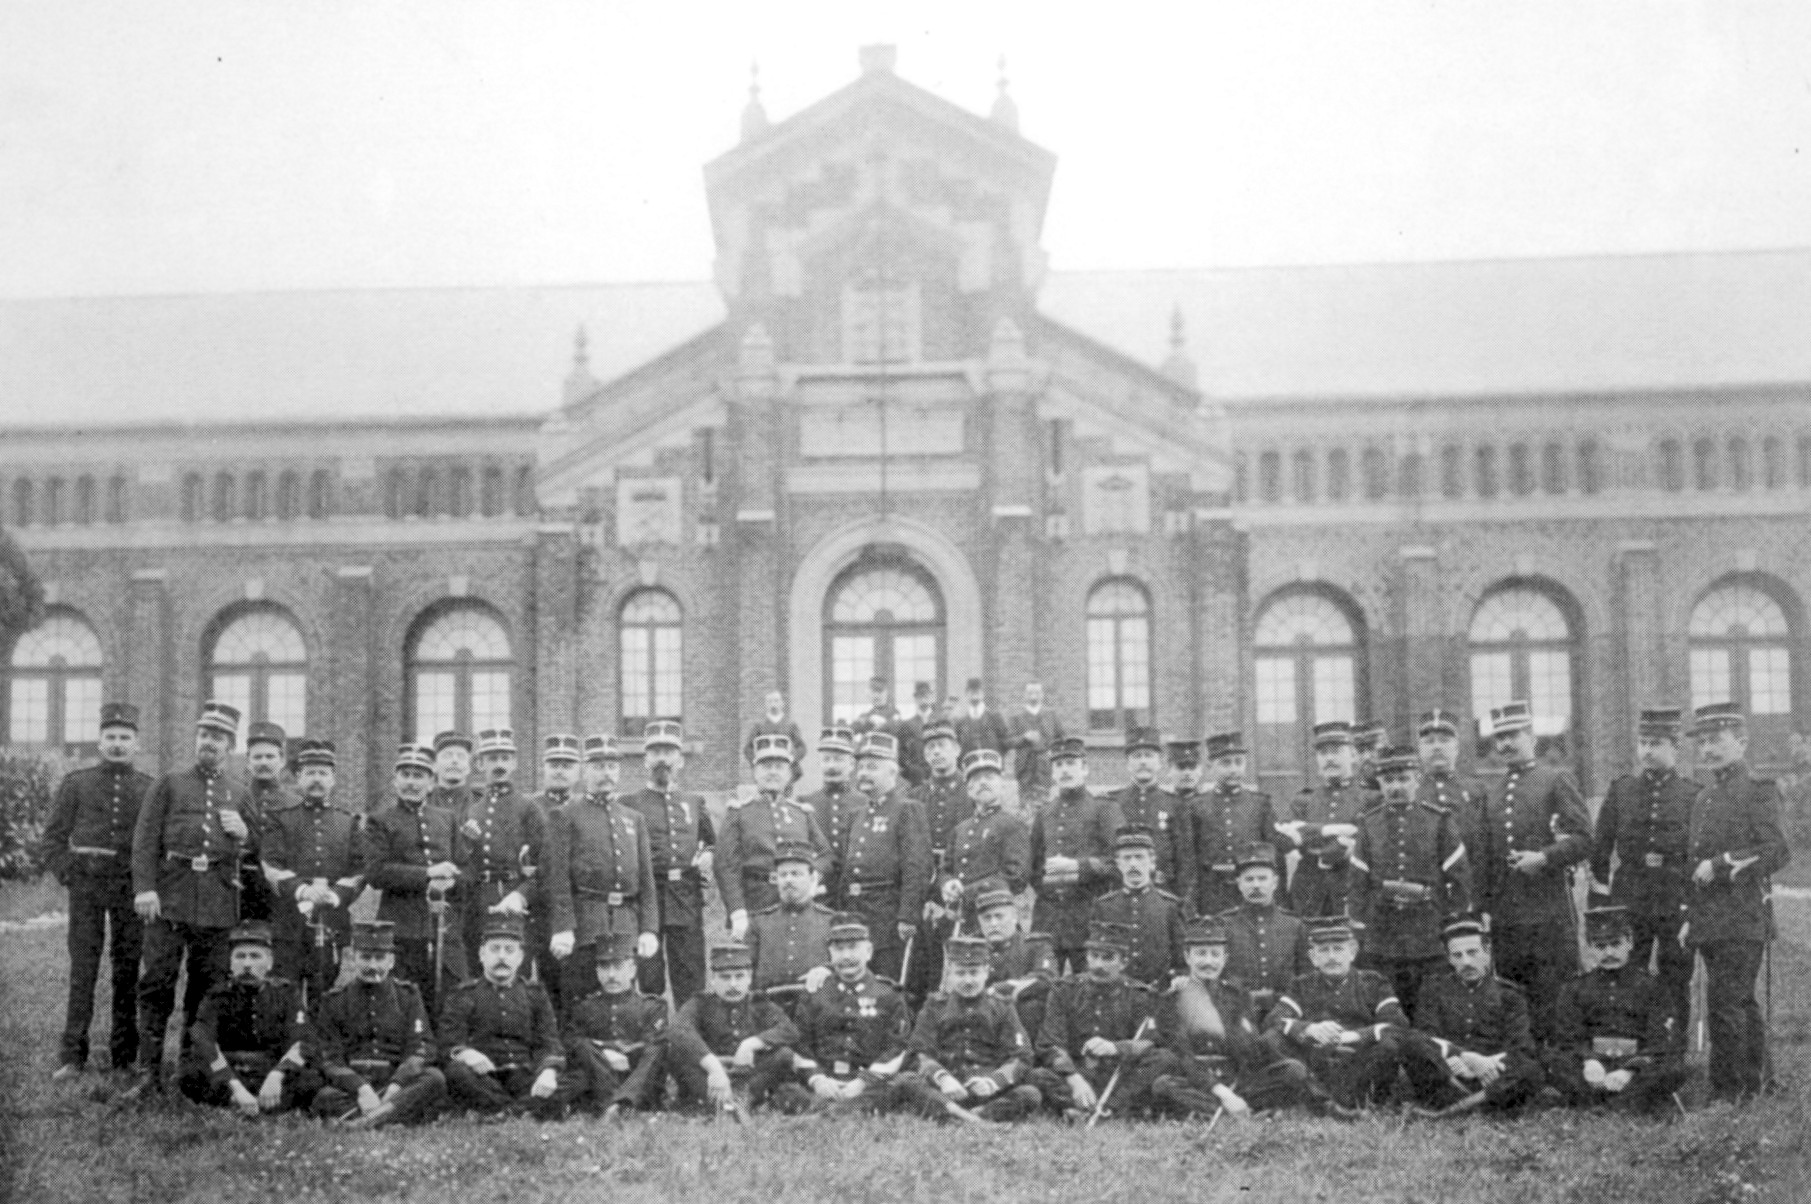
<point>883,617</point>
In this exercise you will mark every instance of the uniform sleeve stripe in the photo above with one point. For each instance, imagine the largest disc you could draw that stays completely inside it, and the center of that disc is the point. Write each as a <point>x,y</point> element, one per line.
<point>1386,1003</point>
<point>1457,855</point>
<point>1358,865</point>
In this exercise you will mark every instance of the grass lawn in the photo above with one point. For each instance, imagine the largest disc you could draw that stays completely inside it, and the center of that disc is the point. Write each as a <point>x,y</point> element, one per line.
<point>59,1143</point>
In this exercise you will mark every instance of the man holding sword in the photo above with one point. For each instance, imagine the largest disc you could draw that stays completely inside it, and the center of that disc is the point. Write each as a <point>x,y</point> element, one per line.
<point>408,850</point>
<point>311,860</point>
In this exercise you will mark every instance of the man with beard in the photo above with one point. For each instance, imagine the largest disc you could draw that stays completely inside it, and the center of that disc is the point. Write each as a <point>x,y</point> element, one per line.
<point>680,840</point>
<point>1031,733</point>
<point>944,796</point>
<point>971,1049</point>
<point>187,845</point>
<point>453,787</point>
<point>1153,914</point>
<point>501,1038</point>
<point>1020,966</point>
<point>852,1032</point>
<point>1267,947</point>
<point>754,828</point>
<point>1323,824</point>
<point>727,1049</point>
<point>787,941</point>
<point>409,850</point>
<point>1345,1024</point>
<point>503,837</point>
<point>1097,1024</point>
<point>376,1047</point>
<point>1071,854</point>
<point>1614,1039</point>
<point>87,846</point>
<point>1228,817</point>
<point>311,858</point>
<point>1644,823</point>
<point>600,875</point>
<point>1471,1047</point>
<point>835,803</point>
<point>250,1031</point>
<point>992,842</point>
<point>1437,744</point>
<point>884,873</point>
<point>616,1036</point>
<point>1143,803</point>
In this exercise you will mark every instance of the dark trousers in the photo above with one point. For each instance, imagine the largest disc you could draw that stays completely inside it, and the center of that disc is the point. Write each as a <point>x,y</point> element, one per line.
<point>1356,1076</point>
<point>195,1081</point>
<point>97,901</point>
<point>1650,1090</point>
<point>1436,1087</point>
<point>315,967</point>
<point>879,906</point>
<point>1406,974</point>
<point>1673,964</point>
<point>680,964</point>
<point>772,1067</point>
<point>1265,1087</point>
<point>918,1095</point>
<point>1539,958</point>
<point>1131,1094</point>
<point>1738,1035</point>
<point>415,1099</point>
<point>508,1090</point>
<point>167,946</point>
<point>925,974</point>
<point>606,1086</point>
<point>415,963</point>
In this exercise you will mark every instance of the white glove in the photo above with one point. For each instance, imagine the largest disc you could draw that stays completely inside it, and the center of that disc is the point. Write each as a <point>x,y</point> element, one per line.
<point>562,944</point>
<point>512,904</point>
<point>647,945</point>
<point>738,924</point>
<point>475,1060</point>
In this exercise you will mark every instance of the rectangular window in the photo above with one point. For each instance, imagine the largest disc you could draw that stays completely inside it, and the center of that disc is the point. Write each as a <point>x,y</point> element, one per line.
<point>235,689</point>
<point>667,657</point>
<point>1275,689</point>
<point>851,665</point>
<point>1710,676</point>
<point>1492,683</point>
<point>1119,671</point>
<point>1769,681</point>
<point>490,700</point>
<point>1550,691</point>
<point>914,660</point>
<point>1452,472</point>
<point>1335,689</point>
<point>434,705</point>
<point>1135,668</point>
<point>28,711</point>
<point>288,701</point>
<point>82,710</point>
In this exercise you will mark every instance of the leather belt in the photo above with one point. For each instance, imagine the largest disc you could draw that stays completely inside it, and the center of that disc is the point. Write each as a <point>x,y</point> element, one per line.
<point>199,864</point>
<point>612,898</point>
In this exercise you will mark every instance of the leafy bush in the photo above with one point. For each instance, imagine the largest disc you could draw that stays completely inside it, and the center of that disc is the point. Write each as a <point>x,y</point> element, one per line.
<point>27,786</point>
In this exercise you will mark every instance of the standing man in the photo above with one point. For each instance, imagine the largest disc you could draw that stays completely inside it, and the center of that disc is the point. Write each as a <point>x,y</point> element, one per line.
<point>1735,846</point>
<point>1031,733</point>
<point>1323,824</point>
<point>560,773</point>
<point>1471,1047</point>
<point>1538,829</point>
<point>1410,871</point>
<point>991,843</point>
<point>1266,947</point>
<point>453,787</point>
<point>186,849</point>
<point>1225,819</point>
<point>835,803</point>
<point>1185,785</point>
<point>375,1044</point>
<point>775,722</point>
<point>1369,739</point>
<point>410,851</point>
<point>885,871</point>
<point>912,765</point>
<point>1143,803</point>
<point>502,836</point>
<point>977,726</point>
<point>753,829</point>
<point>1644,822</point>
<point>680,840</point>
<point>87,846</point>
<point>560,758</point>
<point>266,753</point>
<point>600,876</point>
<point>881,715</point>
<point>313,862</point>
<point>1153,914</point>
<point>944,796</point>
<point>1071,854</point>
<point>1437,741</point>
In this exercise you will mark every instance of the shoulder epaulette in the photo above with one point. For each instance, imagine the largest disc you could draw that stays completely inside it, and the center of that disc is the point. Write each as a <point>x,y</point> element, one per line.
<point>1512,986</point>
<point>1166,894</point>
<point>1436,808</point>
<point>770,909</point>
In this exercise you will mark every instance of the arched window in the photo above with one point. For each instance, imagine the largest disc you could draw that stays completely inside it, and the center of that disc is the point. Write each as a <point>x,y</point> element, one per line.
<point>84,499</point>
<point>1590,467</point>
<point>1773,463</point>
<point>320,493</point>
<point>116,500</point>
<point>54,686</point>
<point>1553,468</point>
<point>1339,475</point>
<point>1412,477</point>
<point>491,501</point>
<point>53,501</point>
<point>1119,656</point>
<point>1704,464</point>
<point>1672,466</point>
<point>289,495</point>
<point>22,502</point>
<point>257,495</point>
<point>1521,470</point>
<point>1301,475</point>
<point>225,496</point>
<point>459,670</point>
<point>882,618</point>
<point>459,501</point>
<point>1522,647</point>
<point>427,493</point>
<point>1306,665</point>
<point>525,498</point>
<point>1486,457</point>
<point>1452,471</point>
<point>1741,474</point>
<point>192,497</point>
<point>1241,477</point>
<point>1270,477</point>
<point>396,493</point>
<point>1376,472</point>
<point>258,663</point>
<point>1741,651</point>
<point>652,639</point>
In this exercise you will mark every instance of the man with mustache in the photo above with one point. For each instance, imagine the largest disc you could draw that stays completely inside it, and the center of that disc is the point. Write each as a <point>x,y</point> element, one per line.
<point>681,841</point>
<point>1471,1046</point>
<point>1615,1042</point>
<point>1345,1024</point>
<point>266,754</point>
<point>728,1049</point>
<point>409,850</point>
<point>834,803</point>
<point>885,870</point>
<point>503,1051</point>
<point>616,1036</point>
<point>311,858</point>
<point>1071,854</point>
<point>503,837</point>
<point>1144,803</point>
<point>753,828</point>
<point>375,1045</point>
<point>852,1031</point>
<point>1323,824</point>
<point>972,1052</point>
<point>1096,1024</point>
<point>1228,817</point>
<point>247,1043</point>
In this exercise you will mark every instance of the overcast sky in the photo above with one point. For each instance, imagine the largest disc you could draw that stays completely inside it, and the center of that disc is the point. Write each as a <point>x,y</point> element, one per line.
<point>205,146</point>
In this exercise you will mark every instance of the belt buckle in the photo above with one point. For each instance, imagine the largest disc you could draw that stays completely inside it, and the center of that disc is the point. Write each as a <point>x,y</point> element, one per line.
<point>199,864</point>
<point>840,1069</point>
<point>614,898</point>
<point>674,875</point>
<point>1654,860</point>
<point>855,890</point>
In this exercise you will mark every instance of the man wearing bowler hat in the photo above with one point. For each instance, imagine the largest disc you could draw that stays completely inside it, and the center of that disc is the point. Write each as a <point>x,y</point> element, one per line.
<point>313,861</point>
<point>1226,818</point>
<point>374,1040</point>
<point>87,846</point>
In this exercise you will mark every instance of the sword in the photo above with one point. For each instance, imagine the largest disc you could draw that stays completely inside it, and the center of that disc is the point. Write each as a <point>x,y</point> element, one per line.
<point>1100,1105</point>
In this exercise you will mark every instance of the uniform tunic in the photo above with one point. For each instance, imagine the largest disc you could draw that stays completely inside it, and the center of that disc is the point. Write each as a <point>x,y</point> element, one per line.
<point>253,1024</point>
<point>1410,872</point>
<point>1622,1020</point>
<point>848,1027</point>
<point>1235,1057</point>
<point>513,1026</point>
<point>752,832</point>
<point>504,837</point>
<point>946,805</point>
<point>969,1037</point>
<point>1073,823</point>
<point>631,1024</point>
<point>787,941</point>
<point>885,871</point>
<point>1361,1002</point>
<point>1156,914</point>
<point>1322,884</point>
<point>178,826</point>
<point>1221,822</point>
<point>399,843</point>
<point>1644,822</point>
<point>678,827</point>
<point>709,1025</point>
<point>1467,799</point>
<point>1534,808</point>
<point>92,821</point>
<point>600,870</point>
<point>991,844</point>
<point>1157,809</point>
<point>368,1034</point>
<point>1083,1006</point>
<point>1489,1017</point>
<point>1266,950</point>
<point>834,807</point>
<point>308,841</point>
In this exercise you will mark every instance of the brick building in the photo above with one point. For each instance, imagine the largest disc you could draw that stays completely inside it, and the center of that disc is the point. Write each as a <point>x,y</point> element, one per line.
<point>888,440</point>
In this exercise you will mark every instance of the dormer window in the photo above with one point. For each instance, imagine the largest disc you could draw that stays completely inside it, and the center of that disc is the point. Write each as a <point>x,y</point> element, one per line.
<point>881,322</point>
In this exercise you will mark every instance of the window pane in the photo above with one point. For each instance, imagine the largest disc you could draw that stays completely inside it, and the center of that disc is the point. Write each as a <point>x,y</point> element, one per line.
<point>880,596</point>
<point>490,700</point>
<point>260,636</point>
<point>464,629</point>
<point>1134,664</point>
<point>851,665</point>
<point>667,672</point>
<point>1491,683</point>
<point>1103,682</point>
<point>1335,694</point>
<point>1276,689</point>
<point>1710,676</point>
<point>81,710</point>
<point>637,653</point>
<point>1303,618</point>
<point>1738,610</point>
<point>1518,613</point>
<point>286,702</point>
<point>1769,681</point>
<point>29,711</point>
<point>235,689</point>
<point>59,636</point>
<point>434,706</point>
<point>914,660</point>
<point>1550,691</point>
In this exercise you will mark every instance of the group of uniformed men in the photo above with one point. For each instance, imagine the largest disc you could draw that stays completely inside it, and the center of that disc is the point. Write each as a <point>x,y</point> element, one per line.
<point>523,944</point>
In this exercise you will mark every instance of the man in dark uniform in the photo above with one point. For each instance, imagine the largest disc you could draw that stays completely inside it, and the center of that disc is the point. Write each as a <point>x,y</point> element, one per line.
<point>1615,1041</point>
<point>616,1035</point>
<point>1410,871</point>
<point>1323,824</point>
<point>1152,913</point>
<point>1031,733</point>
<point>1225,819</point>
<point>1143,803</point>
<point>992,842</point>
<point>266,754</point>
<point>561,757</point>
<point>1344,1023</point>
<point>753,828</point>
<point>788,940</point>
<point>944,795</point>
<point>1644,823</point>
<point>186,850</point>
<point>1071,854</point>
<point>502,1041</point>
<point>375,1045</point>
<point>410,850</point>
<point>87,846</point>
<point>884,873</point>
<point>599,877</point>
<point>971,1051</point>
<point>1437,741</point>
<point>1368,739</point>
<point>312,858</point>
<point>1020,966</point>
<point>453,786</point>
<point>251,1031</point>
<point>775,722</point>
<point>1471,1046</point>
<point>1222,1064</point>
<point>727,1048</point>
<point>681,840</point>
<point>852,1032</point>
<point>1266,947</point>
<point>1735,846</point>
<point>835,803</point>
<point>1097,1023</point>
<point>1538,829</point>
<point>503,837</point>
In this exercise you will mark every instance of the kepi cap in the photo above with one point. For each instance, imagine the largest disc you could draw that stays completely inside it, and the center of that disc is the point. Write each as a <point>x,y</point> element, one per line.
<point>615,947</point>
<point>1663,723</point>
<point>374,936</point>
<point>732,956</point>
<point>1107,937</point>
<point>1225,744</point>
<point>1334,731</point>
<point>1437,720</point>
<point>1258,852</point>
<point>1185,754</point>
<point>838,737</point>
<point>663,733</point>
<point>847,926</point>
<point>1133,836</point>
<point>773,746</point>
<point>1143,737</point>
<point>1515,716</point>
<point>265,732</point>
<point>881,746</point>
<point>415,756</point>
<point>496,740</point>
<point>602,747</point>
<point>1716,716</point>
<point>222,717</point>
<point>966,951</point>
<point>990,893</point>
<point>451,739</point>
<point>251,932</point>
<point>314,752</point>
<point>561,747</point>
<point>981,760</point>
<point>119,714</point>
<point>1206,930</point>
<point>1606,924</point>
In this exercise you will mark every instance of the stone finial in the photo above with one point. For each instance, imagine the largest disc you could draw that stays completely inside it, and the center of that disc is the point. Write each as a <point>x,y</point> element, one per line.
<point>754,116</point>
<point>580,384</point>
<point>880,57</point>
<point>1179,367</point>
<point>1005,111</point>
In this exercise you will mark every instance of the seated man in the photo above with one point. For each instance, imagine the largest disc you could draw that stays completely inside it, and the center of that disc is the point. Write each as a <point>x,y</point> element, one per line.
<point>1266,947</point>
<point>1153,914</point>
<point>1471,1046</point>
<point>852,1030</point>
<point>250,1031</point>
<point>376,1048</point>
<point>1614,1039</point>
<point>1096,1024</point>
<point>971,1050</point>
<point>1021,967</point>
<point>616,1036</point>
<point>726,1035</point>
<point>787,940</point>
<point>1344,1023</point>
<point>1222,1062</point>
<point>502,1041</point>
